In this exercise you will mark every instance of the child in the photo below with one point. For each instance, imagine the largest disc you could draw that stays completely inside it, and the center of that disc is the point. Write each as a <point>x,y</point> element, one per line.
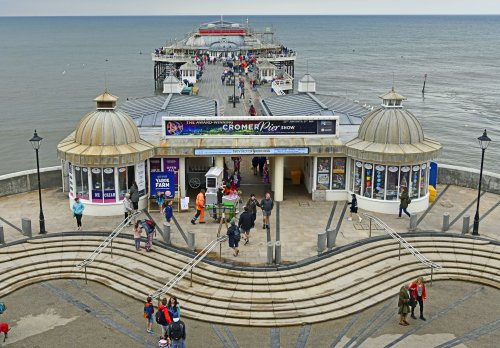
<point>160,199</point>
<point>4,328</point>
<point>137,235</point>
<point>148,314</point>
<point>169,212</point>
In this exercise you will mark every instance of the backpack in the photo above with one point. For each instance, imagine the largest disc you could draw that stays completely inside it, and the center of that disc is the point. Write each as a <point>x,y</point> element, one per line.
<point>160,317</point>
<point>176,329</point>
<point>3,307</point>
<point>148,310</point>
<point>237,234</point>
<point>148,226</point>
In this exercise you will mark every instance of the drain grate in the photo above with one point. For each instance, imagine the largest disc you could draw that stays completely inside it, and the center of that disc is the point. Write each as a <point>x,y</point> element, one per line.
<point>303,204</point>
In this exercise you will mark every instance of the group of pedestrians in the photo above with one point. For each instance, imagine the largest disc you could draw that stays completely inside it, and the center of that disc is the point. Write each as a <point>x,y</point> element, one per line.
<point>168,317</point>
<point>246,221</point>
<point>409,296</point>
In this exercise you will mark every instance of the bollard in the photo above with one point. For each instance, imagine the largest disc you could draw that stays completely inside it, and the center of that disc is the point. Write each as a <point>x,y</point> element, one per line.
<point>413,222</point>
<point>277,252</point>
<point>26,227</point>
<point>166,233</point>
<point>269,253</point>
<point>330,239</point>
<point>466,224</point>
<point>2,237</point>
<point>446,222</point>
<point>268,232</point>
<point>191,240</point>
<point>321,241</point>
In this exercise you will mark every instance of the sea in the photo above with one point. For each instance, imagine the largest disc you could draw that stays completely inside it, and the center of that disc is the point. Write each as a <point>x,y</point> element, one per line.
<point>51,69</point>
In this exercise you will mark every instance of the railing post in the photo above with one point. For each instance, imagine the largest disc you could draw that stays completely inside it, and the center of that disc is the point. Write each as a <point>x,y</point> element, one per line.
<point>191,271</point>
<point>85,274</point>
<point>2,237</point>
<point>370,227</point>
<point>432,269</point>
<point>399,258</point>
<point>111,248</point>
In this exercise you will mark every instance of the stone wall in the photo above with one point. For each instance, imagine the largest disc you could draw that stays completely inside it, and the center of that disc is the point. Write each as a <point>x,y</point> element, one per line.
<point>26,181</point>
<point>467,177</point>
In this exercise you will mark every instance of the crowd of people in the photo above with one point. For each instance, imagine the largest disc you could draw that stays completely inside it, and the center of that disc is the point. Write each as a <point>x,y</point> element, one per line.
<point>168,317</point>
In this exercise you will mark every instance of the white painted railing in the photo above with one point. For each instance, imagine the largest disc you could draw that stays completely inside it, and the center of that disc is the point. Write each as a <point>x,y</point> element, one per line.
<point>188,268</point>
<point>277,88</point>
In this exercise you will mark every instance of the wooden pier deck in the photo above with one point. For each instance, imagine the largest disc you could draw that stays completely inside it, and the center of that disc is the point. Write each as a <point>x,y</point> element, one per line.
<point>210,85</point>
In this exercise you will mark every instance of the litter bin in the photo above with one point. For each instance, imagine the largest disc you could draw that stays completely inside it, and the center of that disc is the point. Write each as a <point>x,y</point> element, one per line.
<point>432,193</point>
<point>296,174</point>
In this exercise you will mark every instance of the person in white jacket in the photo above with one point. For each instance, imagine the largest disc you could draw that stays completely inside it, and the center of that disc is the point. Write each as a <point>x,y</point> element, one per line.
<point>128,208</point>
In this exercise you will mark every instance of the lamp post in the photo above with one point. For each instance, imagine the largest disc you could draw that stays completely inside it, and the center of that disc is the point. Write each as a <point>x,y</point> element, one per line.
<point>484,141</point>
<point>35,142</point>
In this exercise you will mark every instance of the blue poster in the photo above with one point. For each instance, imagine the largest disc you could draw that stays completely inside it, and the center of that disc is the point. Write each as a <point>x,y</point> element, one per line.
<point>163,182</point>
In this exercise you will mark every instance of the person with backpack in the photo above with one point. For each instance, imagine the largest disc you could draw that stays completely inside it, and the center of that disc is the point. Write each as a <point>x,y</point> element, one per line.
<point>404,202</point>
<point>162,317</point>
<point>149,310</point>
<point>245,224</point>
<point>234,236</point>
<point>177,333</point>
<point>149,227</point>
<point>252,205</point>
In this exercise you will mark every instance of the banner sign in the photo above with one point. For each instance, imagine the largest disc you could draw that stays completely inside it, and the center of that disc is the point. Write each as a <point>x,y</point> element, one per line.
<point>163,182</point>
<point>140,178</point>
<point>172,165</point>
<point>267,127</point>
<point>256,151</point>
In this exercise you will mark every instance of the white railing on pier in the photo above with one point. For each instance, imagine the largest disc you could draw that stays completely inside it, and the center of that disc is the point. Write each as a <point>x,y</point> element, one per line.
<point>402,242</point>
<point>178,58</point>
<point>109,239</point>
<point>277,88</point>
<point>188,268</point>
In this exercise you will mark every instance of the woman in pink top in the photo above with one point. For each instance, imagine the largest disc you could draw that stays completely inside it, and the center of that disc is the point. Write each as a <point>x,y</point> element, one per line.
<point>137,235</point>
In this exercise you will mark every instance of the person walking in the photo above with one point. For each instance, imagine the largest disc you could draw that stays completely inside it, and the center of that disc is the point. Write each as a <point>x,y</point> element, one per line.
<point>245,224</point>
<point>255,164</point>
<point>267,205</point>
<point>262,161</point>
<point>418,294</point>
<point>169,211</point>
<point>252,111</point>
<point>354,208</point>
<point>149,310</point>
<point>163,317</point>
<point>200,208</point>
<point>128,209</point>
<point>234,236</point>
<point>177,333</point>
<point>404,202</point>
<point>252,205</point>
<point>134,195</point>
<point>403,304</point>
<point>265,175</point>
<point>137,235</point>
<point>78,209</point>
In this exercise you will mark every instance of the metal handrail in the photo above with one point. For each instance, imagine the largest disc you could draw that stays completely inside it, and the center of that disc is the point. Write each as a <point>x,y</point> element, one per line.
<point>188,268</point>
<point>105,243</point>
<point>424,260</point>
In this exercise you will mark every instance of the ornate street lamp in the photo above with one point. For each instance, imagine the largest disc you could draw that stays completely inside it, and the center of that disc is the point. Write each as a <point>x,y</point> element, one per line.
<point>35,142</point>
<point>484,141</point>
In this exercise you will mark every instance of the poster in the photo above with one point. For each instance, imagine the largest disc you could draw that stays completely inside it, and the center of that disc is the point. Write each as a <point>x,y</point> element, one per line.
<point>185,203</point>
<point>140,178</point>
<point>71,180</point>
<point>323,173</point>
<point>172,165</point>
<point>162,182</point>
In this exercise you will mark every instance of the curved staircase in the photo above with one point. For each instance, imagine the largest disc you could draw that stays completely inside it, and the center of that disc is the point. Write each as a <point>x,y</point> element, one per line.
<point>343,283</point>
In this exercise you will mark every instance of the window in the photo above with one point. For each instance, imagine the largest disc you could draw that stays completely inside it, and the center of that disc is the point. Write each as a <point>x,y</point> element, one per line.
<point>392,183</point>
<point>82,182</point>
<point>415,181</point>
<point>155,165</point>
<point>379,182</point>
<point>338,178</point>
<point>367,182</point>
<point>357,173</point>
<point>404,178</point>
<point>109,185</point>
<point>97,194</point>
<point>323,175</point>
<point>423,180</point>
<point>122,182</point>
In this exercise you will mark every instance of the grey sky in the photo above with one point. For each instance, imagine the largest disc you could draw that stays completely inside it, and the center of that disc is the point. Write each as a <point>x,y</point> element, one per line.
<point>252,7</point>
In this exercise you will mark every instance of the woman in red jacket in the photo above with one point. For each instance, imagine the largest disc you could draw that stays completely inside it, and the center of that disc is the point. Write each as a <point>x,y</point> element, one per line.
<point>418,294</point>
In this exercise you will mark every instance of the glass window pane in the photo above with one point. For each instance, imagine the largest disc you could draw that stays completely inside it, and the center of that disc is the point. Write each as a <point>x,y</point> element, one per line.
<point>404,178</point>
<point>392,183</point>
<point>109,185</point>
<point>379,182</point>
<point>368,180</point>
<point>82,182</point>
<point>415,180</point>
<point>423,180</point>
<point>338,179</point>
<point>97,195</point>
<point>122,182</point>
<point>358,171</point>
<point>323,175</point>
<point>155,165</point>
